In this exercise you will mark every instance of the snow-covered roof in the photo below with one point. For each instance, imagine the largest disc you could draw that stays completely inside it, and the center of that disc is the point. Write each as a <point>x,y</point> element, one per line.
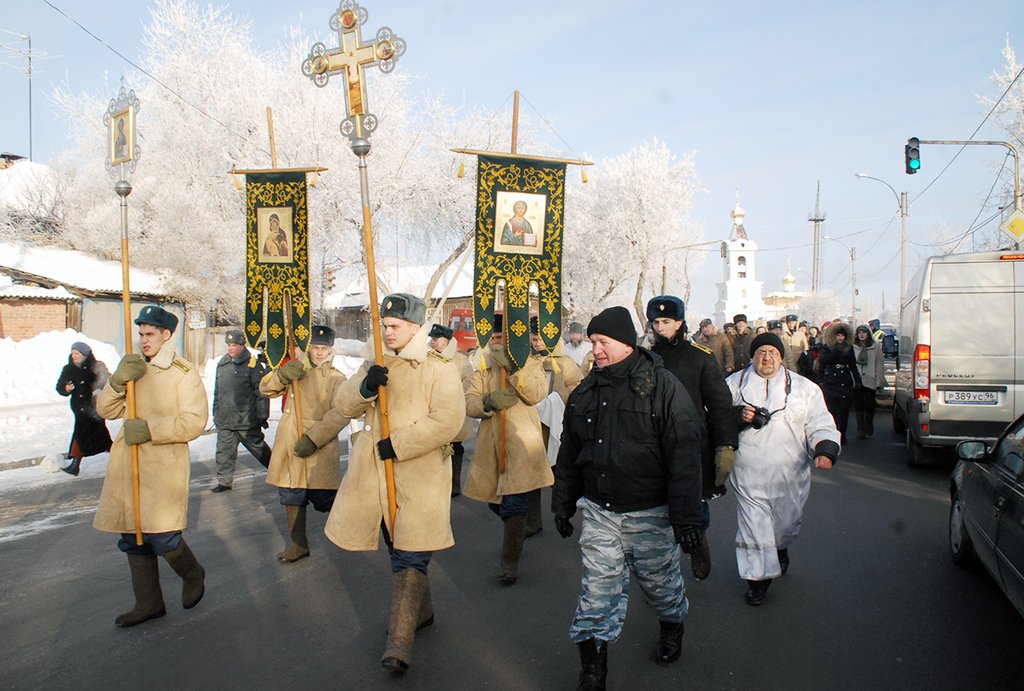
<point>76,269</point>
<point>404,279</point>
<point>35,292</point>
<point>28,186</point>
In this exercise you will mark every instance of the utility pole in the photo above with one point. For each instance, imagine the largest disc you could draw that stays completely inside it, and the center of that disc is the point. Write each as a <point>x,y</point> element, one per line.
<point>816,217</point>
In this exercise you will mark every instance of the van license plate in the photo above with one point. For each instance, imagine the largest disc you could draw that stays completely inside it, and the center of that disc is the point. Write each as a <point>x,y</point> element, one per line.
<point>971,397</point>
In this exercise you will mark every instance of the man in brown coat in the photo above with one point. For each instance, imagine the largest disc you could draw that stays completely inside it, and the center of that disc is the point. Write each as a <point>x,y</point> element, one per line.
<point>741,343</point>
<point>426,409</point>
<point>503,478</point>
<point>170,411</point>
<point>305,464</point>
<point>719,345</point>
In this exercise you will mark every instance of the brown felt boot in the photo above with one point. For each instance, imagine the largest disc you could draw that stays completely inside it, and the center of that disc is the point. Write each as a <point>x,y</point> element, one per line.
<point>426,614</point>
<point>534,522</point>
<point>149,599</point>
<point>193,576</point>
<point>299,548</point>
<point>457,474</point>
<point>512,548</point>
<point>408,590</point>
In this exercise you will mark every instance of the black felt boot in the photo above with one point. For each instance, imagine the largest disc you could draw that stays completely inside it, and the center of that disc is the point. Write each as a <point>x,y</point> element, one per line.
<point>670,644</point>
<point>593,665</point>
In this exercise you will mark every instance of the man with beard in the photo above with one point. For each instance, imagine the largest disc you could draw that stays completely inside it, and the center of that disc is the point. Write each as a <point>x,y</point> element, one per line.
<point>782,415</point>
<point>697,369</point>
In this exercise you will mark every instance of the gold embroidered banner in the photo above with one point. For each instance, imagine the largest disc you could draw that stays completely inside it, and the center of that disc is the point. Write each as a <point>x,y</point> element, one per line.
<point>520,214</point>
<point>277,262</point>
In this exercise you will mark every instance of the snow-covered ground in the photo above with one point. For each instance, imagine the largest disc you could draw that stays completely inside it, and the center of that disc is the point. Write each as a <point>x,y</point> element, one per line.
<point>35,421</point>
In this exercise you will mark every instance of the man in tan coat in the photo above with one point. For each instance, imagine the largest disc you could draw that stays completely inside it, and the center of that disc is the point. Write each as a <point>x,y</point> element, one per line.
<point>443,342</point>
<point>795,341</point>
<point>426,409</point>
<point>170,411</point>
<point>563,375</point>
<point>719,345</point>
<point>504,482</point>
<point>306,467</point>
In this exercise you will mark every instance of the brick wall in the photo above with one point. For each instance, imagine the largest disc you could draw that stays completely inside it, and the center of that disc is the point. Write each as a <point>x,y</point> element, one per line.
<point>22,318</point>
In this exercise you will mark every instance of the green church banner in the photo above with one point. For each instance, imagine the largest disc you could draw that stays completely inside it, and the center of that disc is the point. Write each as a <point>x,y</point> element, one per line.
<point>520,216</point>
<point>277,306</point>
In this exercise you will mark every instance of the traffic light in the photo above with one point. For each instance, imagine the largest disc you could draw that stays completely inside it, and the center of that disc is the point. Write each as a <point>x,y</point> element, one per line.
<point>331,282</point>
<point>912,152</point>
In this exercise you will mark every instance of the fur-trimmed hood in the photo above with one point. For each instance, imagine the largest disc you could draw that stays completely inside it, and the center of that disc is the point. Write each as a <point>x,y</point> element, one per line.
<point>833,329</point>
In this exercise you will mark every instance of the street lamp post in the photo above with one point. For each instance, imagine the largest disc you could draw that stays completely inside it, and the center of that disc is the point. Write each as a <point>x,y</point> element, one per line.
<point>853,277</point>
<point>901,199</point>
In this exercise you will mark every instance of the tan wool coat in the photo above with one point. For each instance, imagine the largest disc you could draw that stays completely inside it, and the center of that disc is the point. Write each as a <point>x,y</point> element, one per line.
<point>526,460</point>
<point>170,397</point>
<point>426,409</point>
<point>563,373</point>
<point>321,421</point>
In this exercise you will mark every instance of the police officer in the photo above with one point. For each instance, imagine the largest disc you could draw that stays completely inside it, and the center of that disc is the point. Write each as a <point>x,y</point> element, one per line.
<point>426,409</point>
<point>170,411</point>
<point>239,411</point>
<point>305,464</point>
<point>696,367</point>
<point>630,460</point>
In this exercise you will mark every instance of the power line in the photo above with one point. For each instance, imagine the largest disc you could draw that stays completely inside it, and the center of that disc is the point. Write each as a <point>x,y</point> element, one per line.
<point>973,135</point>
<point>177,95</point>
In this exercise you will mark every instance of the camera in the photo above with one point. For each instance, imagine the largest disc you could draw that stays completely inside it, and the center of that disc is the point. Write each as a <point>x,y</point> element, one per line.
<point>761,418</point>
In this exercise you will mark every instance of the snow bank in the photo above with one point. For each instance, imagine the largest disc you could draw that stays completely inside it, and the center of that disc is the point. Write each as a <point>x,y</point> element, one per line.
<point>33,365</point>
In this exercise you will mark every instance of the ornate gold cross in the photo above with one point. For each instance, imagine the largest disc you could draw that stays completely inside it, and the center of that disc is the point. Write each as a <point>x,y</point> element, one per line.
<point>351,59</point>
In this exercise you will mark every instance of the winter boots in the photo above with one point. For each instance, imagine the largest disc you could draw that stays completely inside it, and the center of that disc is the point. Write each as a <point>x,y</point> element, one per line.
<point>72,468</point>
<point>670,643</point>
<point>299,548</point>
<point>149,600</point>
<point>756,591</point>
<point>193,576</point>
<point>409,590</point>
<point>457,474</point>
<point>593,665</point>
<point>783,560</point>
<point>534,522</point>
<point>512,548</point>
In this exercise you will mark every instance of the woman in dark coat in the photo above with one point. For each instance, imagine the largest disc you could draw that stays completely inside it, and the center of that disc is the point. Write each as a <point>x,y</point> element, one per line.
<point>81,379</point>
<point>837,373</point>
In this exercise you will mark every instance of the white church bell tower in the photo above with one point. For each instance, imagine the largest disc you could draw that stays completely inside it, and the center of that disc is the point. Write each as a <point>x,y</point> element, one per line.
<point>740,292</point>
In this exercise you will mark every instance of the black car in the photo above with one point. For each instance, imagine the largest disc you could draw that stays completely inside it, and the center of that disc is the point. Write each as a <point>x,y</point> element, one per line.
<point>986,516</point>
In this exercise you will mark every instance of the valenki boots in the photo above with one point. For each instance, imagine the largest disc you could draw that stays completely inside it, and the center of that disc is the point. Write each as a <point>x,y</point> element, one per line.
<point>409,587</point>
<point>512,548</point>
<point>193,576</point>
<point>149,599</point>
<point>299,548</point>
<point>534,522</point>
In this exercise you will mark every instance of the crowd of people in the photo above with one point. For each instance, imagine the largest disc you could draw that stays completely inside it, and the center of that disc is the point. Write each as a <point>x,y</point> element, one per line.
<point>636,435</point>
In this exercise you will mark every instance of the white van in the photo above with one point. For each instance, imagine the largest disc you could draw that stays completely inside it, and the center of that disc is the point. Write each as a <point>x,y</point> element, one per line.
<point>961,351</point>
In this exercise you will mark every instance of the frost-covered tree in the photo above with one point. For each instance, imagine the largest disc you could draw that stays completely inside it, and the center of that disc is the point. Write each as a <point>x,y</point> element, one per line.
<point>622,227</point>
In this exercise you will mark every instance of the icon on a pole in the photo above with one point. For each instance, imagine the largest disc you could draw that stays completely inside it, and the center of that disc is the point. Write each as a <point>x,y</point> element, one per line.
<point>912,153</point>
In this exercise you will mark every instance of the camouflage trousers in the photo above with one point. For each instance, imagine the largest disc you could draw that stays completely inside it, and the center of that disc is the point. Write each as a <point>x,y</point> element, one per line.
<point>615,545</point>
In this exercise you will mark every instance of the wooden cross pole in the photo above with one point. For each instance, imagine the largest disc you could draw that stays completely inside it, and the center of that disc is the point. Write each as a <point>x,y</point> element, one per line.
<point>350,60</point>
<point>286,298</point>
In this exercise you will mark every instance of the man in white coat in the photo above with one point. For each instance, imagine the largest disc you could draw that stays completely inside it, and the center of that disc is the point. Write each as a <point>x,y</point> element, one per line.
<point>784,429</point>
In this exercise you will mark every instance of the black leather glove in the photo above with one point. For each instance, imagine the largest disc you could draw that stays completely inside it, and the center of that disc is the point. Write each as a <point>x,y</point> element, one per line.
<point>501,399</point>
<point>304,447</point>
<point>563,525</point>
<point>376,377</point>
<point>386,449</point>
<point>130,368</point>
<point>689,537</point>
<point>291,370</point>
<point>136,431</point>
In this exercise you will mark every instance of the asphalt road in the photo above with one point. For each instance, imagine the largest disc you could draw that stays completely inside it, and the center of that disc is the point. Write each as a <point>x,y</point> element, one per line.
<point>871,600</point>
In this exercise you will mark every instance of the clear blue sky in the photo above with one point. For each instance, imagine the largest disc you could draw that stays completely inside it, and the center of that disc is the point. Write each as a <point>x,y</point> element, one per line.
<point>773,96</point>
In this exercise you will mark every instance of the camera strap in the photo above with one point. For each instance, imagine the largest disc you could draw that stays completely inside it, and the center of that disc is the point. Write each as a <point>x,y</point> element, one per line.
<point>785,402</point>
